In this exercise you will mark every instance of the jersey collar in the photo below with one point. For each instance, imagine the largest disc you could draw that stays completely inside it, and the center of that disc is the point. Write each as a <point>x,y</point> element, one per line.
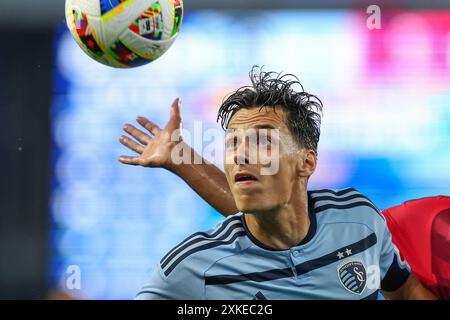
<point>308,237</point>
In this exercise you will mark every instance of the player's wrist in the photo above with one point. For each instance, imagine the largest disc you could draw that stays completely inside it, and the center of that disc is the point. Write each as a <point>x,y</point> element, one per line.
<point>181,159</point>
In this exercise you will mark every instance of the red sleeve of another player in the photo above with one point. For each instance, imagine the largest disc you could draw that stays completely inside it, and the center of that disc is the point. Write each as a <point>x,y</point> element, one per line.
<point>411,227</point>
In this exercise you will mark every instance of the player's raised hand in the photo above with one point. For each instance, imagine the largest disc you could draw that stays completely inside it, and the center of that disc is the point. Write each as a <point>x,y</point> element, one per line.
<point>154,149</point>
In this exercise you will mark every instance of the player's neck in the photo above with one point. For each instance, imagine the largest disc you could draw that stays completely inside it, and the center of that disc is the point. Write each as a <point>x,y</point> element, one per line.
<point>284,227</point>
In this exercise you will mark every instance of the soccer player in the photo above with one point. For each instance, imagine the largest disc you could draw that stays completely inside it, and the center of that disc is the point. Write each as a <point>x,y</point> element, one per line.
<point>281,241</point>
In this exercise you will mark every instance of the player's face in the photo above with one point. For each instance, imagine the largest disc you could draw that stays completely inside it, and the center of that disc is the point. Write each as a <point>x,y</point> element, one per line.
<point>261,159</point>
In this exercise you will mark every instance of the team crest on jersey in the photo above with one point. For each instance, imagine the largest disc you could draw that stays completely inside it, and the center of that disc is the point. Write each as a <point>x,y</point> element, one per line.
<point>352,275</point>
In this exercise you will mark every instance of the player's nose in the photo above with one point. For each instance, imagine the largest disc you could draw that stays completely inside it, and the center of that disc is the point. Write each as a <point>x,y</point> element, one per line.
<point>241,154</point>
<point>241,158</point>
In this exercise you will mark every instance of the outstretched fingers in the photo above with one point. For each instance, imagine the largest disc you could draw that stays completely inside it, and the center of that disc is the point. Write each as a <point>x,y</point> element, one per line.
<point>138,134</point>
<point>134,161</point>
<point>133,145</point>
<point>149,125</point>
<point>175,116</point>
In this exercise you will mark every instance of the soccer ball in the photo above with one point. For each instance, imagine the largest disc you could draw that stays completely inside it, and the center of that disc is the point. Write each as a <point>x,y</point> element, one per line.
<point>124,33</point>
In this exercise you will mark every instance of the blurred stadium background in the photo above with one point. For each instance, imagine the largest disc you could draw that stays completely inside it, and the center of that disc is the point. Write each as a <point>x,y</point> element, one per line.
<point>66,200</point>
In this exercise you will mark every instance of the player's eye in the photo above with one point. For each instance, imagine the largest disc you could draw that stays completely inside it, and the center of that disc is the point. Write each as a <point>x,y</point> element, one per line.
<point>231,142</point>
<point>264,140</point>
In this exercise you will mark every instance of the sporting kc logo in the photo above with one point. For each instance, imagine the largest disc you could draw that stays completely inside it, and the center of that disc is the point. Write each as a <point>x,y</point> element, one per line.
<point>352,275</point>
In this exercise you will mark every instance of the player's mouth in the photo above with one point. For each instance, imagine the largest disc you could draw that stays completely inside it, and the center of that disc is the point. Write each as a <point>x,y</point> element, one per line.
<point>244,178</point>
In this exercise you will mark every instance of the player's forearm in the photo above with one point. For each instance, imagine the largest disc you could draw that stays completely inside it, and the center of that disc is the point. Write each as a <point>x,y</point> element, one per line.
<point>413,289</point>
<point>208,181</point>
<point>418,291</point>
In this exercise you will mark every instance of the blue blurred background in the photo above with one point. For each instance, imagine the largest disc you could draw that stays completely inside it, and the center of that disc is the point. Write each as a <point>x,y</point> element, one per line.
<point>385,131</point>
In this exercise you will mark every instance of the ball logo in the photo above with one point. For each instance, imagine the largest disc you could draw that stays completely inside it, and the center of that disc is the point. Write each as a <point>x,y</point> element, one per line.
<point>352,275</point>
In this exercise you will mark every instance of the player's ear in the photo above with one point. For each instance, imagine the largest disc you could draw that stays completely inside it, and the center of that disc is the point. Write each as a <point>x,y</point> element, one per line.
<point>307,163</point>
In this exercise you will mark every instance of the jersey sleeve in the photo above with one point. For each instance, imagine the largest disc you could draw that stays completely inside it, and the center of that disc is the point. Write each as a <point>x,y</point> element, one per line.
<point>179,285</point>
<point>394,272</point>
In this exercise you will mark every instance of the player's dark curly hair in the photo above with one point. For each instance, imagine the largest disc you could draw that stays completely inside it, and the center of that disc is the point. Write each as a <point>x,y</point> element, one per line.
<point>271,89</point>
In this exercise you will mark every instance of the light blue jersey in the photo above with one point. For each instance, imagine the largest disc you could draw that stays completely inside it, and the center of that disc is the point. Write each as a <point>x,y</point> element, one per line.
<point>347,254</point>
